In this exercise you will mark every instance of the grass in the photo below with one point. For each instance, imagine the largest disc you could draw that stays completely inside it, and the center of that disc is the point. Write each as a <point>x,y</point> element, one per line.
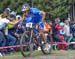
<point>19,53</point>
<point>56,54</point>
<point>67,51</point>
<point>36,52</point>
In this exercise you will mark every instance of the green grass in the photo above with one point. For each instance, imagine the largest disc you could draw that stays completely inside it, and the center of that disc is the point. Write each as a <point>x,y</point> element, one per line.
<point>63,51</point>
<point>56,54</point>
<point>39,52</point>
<point>19,53</point>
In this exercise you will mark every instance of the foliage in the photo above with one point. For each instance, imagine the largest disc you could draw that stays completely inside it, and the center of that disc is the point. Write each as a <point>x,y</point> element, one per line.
<point>56,8</point>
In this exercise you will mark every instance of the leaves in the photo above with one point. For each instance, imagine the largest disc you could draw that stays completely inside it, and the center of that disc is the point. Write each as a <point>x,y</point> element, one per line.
<point>52,7</point>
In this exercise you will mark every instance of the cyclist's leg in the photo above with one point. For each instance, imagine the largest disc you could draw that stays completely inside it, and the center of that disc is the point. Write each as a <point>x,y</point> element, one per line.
<point>41,32</point>
<point>44,35</point>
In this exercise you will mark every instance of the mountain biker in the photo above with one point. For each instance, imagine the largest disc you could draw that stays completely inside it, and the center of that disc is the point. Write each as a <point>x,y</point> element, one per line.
<point>35,16</point>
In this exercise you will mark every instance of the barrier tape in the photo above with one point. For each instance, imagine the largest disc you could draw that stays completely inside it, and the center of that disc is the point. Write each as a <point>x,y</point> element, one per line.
<point>68,43</point>
<point>11,46</point>
<point>53,43</point>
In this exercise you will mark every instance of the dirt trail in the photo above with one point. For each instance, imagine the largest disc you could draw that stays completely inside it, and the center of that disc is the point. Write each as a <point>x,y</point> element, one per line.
<point>54,55</point>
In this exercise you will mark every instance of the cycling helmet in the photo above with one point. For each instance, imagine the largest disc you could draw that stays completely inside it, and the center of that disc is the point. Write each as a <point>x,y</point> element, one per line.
<point>25,7</point>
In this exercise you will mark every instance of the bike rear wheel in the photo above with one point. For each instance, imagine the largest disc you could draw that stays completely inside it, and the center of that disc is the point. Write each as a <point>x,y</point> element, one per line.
<point>46,47</point>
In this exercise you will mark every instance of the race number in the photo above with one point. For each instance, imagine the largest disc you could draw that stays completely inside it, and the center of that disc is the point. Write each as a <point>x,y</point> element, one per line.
<point>29,25</point>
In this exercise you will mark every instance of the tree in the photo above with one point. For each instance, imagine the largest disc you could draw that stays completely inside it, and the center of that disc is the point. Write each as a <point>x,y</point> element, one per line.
<point>12,4</point>
<point>56,8</point>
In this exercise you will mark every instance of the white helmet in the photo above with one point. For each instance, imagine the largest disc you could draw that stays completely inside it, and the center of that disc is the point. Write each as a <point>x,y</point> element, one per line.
<point>25,7</point>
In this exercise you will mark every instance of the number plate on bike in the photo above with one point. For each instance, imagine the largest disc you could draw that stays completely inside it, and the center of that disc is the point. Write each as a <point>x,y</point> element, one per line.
<point>29,25</point>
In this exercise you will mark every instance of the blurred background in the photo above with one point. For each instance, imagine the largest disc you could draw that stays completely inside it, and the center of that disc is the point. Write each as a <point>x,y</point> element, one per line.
<point>53,8</point>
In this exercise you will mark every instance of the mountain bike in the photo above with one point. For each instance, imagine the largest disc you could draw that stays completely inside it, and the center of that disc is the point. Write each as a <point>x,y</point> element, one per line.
<point>29,39</point>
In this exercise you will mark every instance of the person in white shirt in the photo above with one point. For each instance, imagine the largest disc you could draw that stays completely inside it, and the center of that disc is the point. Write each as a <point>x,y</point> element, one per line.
<point>68,35</point>
<point>3,21</point>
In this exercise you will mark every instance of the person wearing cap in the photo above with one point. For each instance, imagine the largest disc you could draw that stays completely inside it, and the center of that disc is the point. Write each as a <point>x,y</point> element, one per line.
<point>11,30</point>
<point>5,19</point>
<point>3,22</point>
<point>60,33</point>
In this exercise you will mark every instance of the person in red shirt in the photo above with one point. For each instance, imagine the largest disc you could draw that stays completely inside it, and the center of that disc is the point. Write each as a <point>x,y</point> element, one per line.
<point>60,29</point>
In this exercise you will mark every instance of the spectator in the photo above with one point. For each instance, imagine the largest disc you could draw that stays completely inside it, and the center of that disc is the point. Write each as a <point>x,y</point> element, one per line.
<point>47,27</point>
<point>58,34</point>
<point>61,36</point>
<point>11,39</point>
<point>2,42</point>
<point>72,30</point>
<point>68,35</point>
<point>54,30</point>
<point>4,21</point>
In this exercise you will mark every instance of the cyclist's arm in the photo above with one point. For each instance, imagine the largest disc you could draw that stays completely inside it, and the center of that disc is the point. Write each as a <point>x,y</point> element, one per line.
<point>23,16</point>
<point>43,15</point>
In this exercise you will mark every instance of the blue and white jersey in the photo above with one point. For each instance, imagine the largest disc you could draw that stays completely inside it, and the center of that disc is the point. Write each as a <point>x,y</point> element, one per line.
<point>34,16</point>
<point>29,18</point>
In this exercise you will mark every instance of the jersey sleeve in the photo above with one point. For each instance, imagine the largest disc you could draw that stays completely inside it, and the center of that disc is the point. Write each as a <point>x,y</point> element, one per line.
<point>34,10</point>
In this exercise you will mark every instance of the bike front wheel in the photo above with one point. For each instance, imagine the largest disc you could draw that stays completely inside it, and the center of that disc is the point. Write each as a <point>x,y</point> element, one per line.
<point>25,44</point>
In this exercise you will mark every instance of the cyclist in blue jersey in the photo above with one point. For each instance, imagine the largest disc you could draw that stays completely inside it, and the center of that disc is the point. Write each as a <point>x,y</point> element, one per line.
<point>30,12</point>
<point>34,15</point>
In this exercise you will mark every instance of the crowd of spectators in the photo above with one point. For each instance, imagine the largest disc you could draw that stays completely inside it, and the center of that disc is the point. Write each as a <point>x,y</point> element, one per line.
<point>62,32</point>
